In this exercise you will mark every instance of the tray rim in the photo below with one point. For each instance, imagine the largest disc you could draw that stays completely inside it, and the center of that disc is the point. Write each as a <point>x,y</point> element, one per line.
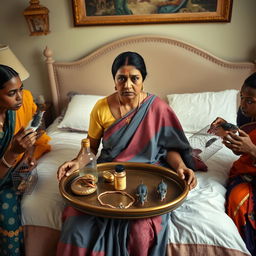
<point>130,213</point>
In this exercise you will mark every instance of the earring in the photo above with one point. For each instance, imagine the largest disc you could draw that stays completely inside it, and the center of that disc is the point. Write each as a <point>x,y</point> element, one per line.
<point>115,88</point>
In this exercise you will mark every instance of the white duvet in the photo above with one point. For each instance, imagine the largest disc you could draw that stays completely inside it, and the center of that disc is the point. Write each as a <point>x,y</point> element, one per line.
<point>201,219</point>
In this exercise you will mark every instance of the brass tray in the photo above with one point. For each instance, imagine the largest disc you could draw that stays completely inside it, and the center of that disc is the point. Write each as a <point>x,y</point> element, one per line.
<point>150,175</point>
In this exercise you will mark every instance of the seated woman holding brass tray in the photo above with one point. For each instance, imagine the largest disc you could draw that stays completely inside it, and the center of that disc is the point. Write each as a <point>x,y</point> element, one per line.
<point>134,126</point>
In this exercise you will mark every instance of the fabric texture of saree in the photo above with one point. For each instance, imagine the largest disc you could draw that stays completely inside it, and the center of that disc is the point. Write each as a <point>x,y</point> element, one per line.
<point>241,194</point>
<point>143,135</point>
<point>11,233</point>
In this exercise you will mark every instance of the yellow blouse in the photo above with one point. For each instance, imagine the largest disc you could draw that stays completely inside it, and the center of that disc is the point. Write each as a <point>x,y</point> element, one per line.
<point>100,119</point>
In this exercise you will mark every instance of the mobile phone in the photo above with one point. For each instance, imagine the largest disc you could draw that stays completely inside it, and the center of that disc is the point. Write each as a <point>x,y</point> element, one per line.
<point>230,127</point>
<point>36,121</point>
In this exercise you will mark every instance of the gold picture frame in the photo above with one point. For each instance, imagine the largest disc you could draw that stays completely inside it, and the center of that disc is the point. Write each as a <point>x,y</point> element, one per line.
<point>121,12</point>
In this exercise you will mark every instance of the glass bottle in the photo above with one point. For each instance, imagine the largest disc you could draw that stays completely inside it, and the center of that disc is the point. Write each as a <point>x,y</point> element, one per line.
<point>120,177</point>
<point>87,161</point>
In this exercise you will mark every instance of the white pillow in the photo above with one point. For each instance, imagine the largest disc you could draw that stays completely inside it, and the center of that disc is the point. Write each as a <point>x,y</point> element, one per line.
<point>77,116</point>
<point>197,110</point>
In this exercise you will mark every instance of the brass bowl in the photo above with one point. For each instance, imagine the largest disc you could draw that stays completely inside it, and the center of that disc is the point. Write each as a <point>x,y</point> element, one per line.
<point>136,173</point>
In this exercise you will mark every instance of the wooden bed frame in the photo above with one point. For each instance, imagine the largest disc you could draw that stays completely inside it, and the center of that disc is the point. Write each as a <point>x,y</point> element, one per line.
<point>173,67</point>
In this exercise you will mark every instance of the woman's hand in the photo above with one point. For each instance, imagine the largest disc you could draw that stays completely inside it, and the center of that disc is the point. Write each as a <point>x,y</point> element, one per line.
<point>239,143</point>
<point>188,175</point>
<point>175,161</point>
<point>215,124</point>
<point>67,168</point>
<point>40,132</point>
<point>22,141</point>
<point>30,157</point>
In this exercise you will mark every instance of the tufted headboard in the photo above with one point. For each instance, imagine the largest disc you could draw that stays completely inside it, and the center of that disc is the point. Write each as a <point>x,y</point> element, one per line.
<point>173,67</point>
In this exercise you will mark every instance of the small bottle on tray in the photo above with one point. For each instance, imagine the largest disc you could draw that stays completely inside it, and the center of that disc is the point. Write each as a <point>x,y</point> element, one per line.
<point>88,162</point>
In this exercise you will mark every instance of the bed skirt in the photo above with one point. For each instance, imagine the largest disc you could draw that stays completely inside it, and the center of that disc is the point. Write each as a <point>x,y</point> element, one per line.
<point>201,250</point>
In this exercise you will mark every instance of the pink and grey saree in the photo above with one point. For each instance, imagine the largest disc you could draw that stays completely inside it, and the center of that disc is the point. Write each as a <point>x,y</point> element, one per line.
<point>143,135</point>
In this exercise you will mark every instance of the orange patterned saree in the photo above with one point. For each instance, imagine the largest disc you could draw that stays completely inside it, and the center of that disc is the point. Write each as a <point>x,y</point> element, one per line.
<point>241,195</point>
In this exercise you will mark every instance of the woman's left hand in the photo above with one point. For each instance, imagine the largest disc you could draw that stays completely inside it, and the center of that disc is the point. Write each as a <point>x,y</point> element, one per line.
<point>188,175</point>
<point>239,143</point>
<point>39,132</point>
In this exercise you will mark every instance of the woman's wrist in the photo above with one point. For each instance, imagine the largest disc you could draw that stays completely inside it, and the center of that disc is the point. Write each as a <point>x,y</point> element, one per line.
<point>9,158</point>
<point>5,163</point>
<point>180,166</point>
<point>253,151</point>
<point>175,161</point>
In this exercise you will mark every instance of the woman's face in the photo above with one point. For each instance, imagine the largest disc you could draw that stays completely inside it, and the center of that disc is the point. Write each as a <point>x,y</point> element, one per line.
<point>128,81</point>
<point>248,101</point>
<point>11,94</point>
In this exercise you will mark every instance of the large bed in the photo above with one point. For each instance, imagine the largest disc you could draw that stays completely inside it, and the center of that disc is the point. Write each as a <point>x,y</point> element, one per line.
<point>196,84</point>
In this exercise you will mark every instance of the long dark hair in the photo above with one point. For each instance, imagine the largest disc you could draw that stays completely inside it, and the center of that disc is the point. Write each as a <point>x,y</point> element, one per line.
<point>131,59</point>
<point>6,74</point>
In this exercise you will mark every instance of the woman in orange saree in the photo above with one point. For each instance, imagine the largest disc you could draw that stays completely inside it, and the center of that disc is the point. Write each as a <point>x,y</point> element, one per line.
<point>241,189</point>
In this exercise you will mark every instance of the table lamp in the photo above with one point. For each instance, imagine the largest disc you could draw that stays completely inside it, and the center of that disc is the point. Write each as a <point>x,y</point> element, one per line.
<point>8,58</point>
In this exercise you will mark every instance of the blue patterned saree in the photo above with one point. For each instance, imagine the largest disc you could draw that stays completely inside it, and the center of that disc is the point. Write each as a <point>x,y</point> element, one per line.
<point>11,235</point>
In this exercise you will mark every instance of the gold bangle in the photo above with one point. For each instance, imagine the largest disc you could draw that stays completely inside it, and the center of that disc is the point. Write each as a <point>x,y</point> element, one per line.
<point>6,163</point>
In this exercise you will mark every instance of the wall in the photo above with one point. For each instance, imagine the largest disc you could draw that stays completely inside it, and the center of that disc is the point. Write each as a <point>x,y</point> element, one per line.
<point>234,41</point>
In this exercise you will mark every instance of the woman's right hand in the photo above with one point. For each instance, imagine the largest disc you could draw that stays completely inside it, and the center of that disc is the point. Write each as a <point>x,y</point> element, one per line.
<point>22,141</point>
<point>215,124</point>
<point>67,168</point>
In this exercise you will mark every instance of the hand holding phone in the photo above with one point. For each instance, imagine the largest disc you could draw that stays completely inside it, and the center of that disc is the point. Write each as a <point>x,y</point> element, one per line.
<point>36,121</point>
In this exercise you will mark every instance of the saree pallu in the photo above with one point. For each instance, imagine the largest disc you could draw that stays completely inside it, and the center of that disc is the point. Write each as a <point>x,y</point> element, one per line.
<point>241,196</point>
<point>11,234</point>
<point>143,135</point>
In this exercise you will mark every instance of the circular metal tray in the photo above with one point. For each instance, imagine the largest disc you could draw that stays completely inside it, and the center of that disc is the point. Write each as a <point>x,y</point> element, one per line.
<point>136,173</point>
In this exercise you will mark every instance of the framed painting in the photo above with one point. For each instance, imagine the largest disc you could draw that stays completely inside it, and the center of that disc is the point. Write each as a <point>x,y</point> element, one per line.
<point>111,12</point>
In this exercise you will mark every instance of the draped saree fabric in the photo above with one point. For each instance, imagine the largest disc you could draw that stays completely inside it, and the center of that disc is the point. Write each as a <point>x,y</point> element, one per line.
<point>84,235</point>
<point>241,193</point>
<point>11,234</point>
<point>153,130</point>
<point>143,135</point>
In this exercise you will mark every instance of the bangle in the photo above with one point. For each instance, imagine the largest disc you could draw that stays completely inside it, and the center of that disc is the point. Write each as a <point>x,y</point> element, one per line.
<point>6,163</point>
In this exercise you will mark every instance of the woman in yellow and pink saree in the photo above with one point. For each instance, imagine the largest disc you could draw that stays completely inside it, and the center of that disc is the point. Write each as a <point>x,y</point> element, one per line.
<point>134,126</point>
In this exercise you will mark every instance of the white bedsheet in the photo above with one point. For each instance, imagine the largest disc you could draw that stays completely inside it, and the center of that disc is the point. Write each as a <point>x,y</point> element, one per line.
<point>201,219</point>
<point>44,206</point>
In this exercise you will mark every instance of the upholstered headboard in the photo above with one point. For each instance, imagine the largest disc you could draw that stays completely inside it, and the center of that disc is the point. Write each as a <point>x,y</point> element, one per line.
<point>173,67</point>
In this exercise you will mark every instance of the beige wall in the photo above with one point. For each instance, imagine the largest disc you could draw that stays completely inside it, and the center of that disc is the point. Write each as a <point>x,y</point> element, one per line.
<point>234,41</point>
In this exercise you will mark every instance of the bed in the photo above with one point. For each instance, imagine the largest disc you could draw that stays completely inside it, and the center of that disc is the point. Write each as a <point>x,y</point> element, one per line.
<point>198,86</point>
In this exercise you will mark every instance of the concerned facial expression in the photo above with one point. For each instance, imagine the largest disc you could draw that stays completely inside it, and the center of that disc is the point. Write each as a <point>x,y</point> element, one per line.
<point>128,81</point>
<point>11,94</point>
